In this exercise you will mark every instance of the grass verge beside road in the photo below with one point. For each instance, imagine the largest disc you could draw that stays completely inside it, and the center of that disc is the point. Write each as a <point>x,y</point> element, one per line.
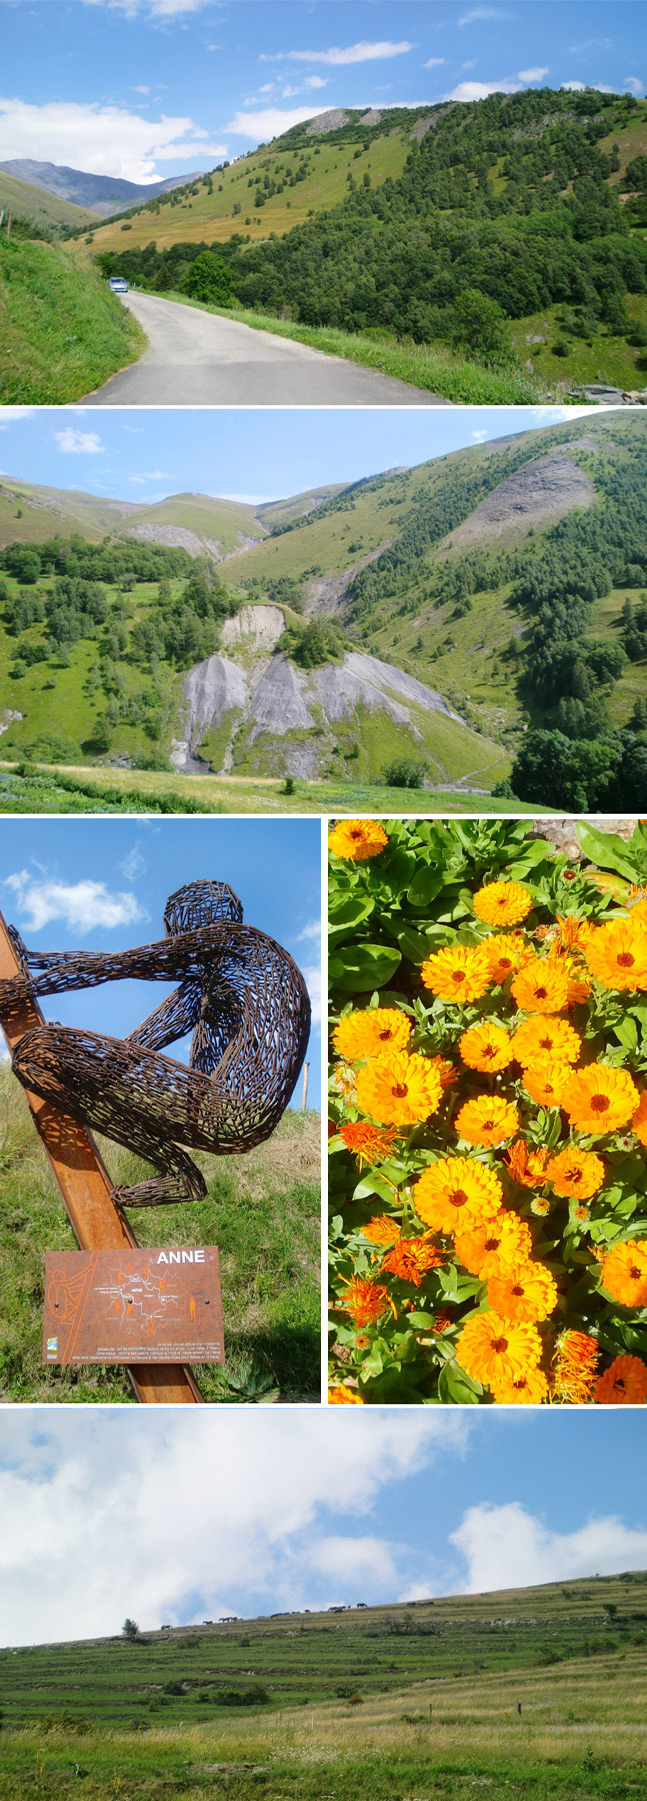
<point>62,333</point>
<point>47,788</point>
<point>263,1212</point>
<point>427,366</point>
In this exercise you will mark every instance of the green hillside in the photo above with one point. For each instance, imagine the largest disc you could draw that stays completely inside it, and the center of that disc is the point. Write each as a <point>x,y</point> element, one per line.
<point>62,332</point>
<point>394,222</point>
<point>195,1674</point>
<point>40,208</point>
<point>509,579</point>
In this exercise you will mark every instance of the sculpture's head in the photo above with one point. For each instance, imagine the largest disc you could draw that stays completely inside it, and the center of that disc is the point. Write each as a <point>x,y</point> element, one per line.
<point>200,904</point>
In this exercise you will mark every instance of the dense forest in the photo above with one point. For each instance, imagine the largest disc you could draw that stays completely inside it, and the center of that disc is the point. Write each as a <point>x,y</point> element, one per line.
<point>508,198</point>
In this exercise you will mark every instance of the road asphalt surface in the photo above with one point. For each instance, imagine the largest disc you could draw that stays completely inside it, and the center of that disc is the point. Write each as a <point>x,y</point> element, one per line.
<point>201,359</point>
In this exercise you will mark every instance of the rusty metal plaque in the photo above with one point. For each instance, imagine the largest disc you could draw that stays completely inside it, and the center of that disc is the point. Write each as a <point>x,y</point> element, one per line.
<point>133,1306</point>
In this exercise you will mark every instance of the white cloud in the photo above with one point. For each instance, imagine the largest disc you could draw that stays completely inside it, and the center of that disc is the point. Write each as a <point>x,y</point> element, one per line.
<point>575,87</point>
<point>591,44</point>
<point>83,906</point>
<point>355,53</point>
<point>480,13</point>
<point>141,90</point>
<point>9,414</point>
<point>137,1508</point>
<point>104,140</point>
<point>434,62</point>
<point>312,979</point>
<point>636,86</point>
<point>134,864</point>
<point>270,122</point>
<point>155,475</point>
<point>355,1560</point>
<point>507,1547</point>
<point>479,90</point>
<point>480,436</point>
<point>77,443</point>
<point>154,9</point>
<point>315,81</point>
<point>533,74</point>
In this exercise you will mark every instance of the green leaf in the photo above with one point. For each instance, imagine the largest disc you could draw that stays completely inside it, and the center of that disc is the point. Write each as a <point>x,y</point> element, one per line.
<point>373,1184</point>
<point>354,909</point>
<point>401,869</point>
<point>456,1387</point>
<point>627,1034</point>
<point>608,851</point>
<point>414,945</point>
<point>359,968</point>
<point>426,884</point>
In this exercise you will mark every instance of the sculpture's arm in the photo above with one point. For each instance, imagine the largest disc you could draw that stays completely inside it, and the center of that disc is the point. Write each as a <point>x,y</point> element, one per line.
<point>185,958</point>
<point>174,1018</point>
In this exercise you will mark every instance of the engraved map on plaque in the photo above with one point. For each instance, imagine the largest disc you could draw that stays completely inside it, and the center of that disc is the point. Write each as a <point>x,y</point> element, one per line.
<point>133,1306</point>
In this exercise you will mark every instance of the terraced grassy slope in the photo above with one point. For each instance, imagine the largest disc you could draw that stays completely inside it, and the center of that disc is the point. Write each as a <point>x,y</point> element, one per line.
<point>309,1659</point>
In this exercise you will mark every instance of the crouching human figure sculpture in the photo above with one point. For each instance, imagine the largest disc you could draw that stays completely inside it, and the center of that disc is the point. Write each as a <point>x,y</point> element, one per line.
<point>240,995</point>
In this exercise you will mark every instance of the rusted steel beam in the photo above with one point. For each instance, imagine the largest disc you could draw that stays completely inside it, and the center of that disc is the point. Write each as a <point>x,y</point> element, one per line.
<point>96,1220</point>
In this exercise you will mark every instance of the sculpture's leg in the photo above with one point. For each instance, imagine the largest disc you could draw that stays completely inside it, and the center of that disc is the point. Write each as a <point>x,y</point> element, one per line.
<point>100,1081</point>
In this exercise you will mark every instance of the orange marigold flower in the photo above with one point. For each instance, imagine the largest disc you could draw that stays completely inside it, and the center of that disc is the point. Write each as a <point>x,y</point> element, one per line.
<point>623,1384</point>
<point>578,981</point>
<point>541,986</point>
<point>546,1037</point>
<point>505,952</point>
<point>527,1167</point>
<point>530,1389</point>
<point>368,1143</point>
<point>577,1173</point>
<point>574,1366</point>
<point>599,1099</point>
<point>616,954</point>
<point>639,1120</point>
<point>487,1120</point>
<point>342,1396</point>
<point>442,1323</point>
<point>357,839</point>
<point>381,1230</point>
<point>370,1031</point>
<point>457,1191</point>
<point>491,1348</point>
<point>545,1081</point>
<point>411,1258</point>
<point>445,1071</point>
<point>637,901</point>
<point>574,930</point>
<point>502,903</point>
<point>528,1292</point>
<point>459,972</point>
<point>398,1090</point>
<point>365,1300</point>
<point>482,1244</point>
<point>485,1047</point>
<point>624,1272</point>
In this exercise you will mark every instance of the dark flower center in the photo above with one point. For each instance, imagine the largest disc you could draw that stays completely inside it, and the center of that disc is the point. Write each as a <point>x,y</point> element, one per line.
<point>634,1273</point>
<point>600,1103</point>
<point>458,975</point>
<point>458,1198</point>
<point>541,994</point>
<point>400,1091</point>
<point>499,1345</point>
<point>625,960</point>
<point>518,1289</point>
<point>492,1244</point>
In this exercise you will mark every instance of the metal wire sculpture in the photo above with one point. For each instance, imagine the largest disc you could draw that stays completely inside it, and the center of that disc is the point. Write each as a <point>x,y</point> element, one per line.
<point>240,995</point>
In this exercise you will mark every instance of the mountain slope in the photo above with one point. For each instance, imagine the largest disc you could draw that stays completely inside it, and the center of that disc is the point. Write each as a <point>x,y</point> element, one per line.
<point>30,201</point>
<point>101,194</point>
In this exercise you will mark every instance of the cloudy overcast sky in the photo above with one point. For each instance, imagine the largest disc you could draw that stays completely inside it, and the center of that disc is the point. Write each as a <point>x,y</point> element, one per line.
<point>174,1516</point>
<point>101,885</point>
<point>145,89</point>
<point>142,454</point>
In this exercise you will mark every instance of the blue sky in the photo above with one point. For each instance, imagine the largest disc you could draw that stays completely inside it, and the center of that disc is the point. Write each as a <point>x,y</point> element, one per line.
<point>375,1506</point>
<point>102,885</point>
<point>151,88</point>
<point>141,454</point>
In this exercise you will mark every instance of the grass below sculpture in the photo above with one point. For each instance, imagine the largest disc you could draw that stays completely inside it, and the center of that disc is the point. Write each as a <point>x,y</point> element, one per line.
<point>263,1213</point>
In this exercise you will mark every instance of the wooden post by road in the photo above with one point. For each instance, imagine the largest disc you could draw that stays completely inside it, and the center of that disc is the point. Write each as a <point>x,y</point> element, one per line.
<point>95,1217</point>
<point>304,1094</point>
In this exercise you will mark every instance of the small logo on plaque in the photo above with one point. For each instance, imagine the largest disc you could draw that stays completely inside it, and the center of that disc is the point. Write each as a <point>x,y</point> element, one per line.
<point>138,1306</point>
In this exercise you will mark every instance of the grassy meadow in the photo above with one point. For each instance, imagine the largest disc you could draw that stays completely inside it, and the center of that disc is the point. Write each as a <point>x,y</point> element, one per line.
<point>530,1694</point>
<point>43,788</point>
<point>263,1212</point>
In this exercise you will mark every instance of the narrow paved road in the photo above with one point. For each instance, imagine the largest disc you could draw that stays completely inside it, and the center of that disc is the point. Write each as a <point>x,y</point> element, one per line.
<point>201,359</point>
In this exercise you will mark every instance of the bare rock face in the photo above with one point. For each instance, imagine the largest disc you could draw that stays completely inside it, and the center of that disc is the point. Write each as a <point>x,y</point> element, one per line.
<point>254,628</point>
<point>176,537</point>
<point>273,699</point>
<point>330,121</point>
<point>372,117</point>
<point>540,493</point>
